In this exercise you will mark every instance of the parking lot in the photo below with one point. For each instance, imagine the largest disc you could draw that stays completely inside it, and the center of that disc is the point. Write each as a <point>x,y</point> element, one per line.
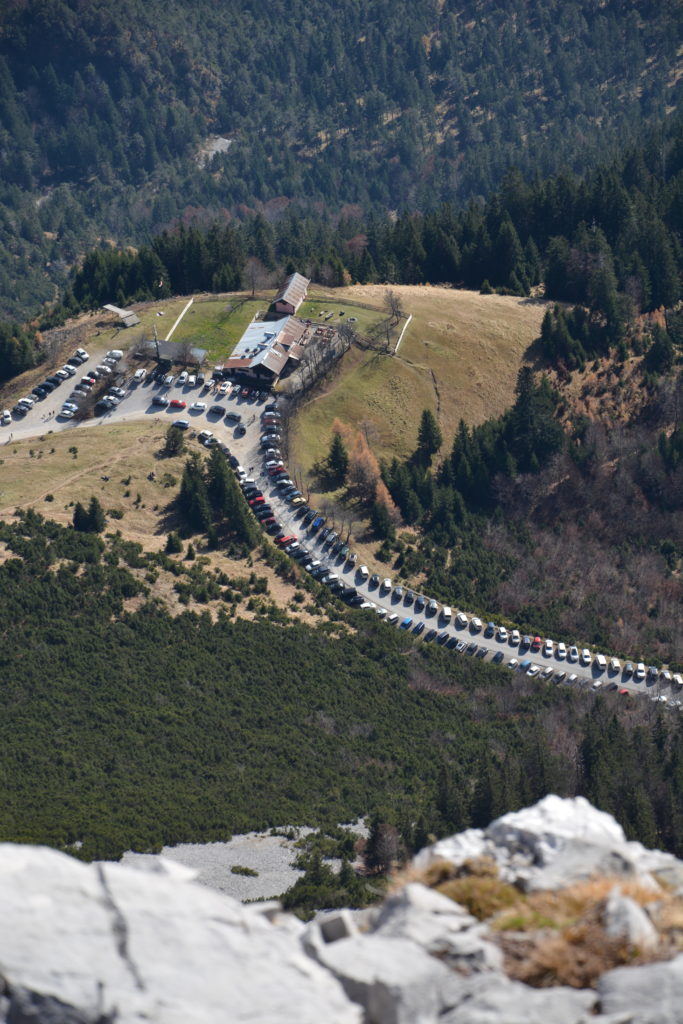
<point>245,422</point>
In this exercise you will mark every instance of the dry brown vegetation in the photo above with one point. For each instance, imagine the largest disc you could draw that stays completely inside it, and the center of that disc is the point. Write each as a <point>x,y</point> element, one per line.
<point>555,937</point>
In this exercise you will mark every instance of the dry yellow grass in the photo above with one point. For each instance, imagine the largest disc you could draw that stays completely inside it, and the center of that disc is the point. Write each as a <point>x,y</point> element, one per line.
<point>34,469</point>
<point>459,357</point>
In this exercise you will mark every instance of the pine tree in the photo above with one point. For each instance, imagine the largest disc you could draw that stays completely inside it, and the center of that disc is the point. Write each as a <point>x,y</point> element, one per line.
<point>80,518</point>
<point>96,518</point>
<point>338,459</point>
<point>429,437</point>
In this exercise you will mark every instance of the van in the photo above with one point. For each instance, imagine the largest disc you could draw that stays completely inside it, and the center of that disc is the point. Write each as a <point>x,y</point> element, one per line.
<point>446,613</point>
<point>139,376</point>
<point>600,662</point>
<point>363,572</point>
<point>392,618</point>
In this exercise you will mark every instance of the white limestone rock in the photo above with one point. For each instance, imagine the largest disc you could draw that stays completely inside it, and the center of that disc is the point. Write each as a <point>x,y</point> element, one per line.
<point>442,927</point>
<point>553,844</point>
<point>652,994</point>
<point>493,999</point>
<point>625,920</point>
<point>81,943</point>
<point>455,849</point>
<point>394,980</point>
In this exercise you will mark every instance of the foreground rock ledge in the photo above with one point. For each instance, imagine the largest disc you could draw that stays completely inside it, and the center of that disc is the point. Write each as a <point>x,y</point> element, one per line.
<point>98,943</point>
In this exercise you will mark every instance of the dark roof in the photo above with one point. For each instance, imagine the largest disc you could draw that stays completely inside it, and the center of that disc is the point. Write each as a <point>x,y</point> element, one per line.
<point>170,350</point>
<point>293,290</point>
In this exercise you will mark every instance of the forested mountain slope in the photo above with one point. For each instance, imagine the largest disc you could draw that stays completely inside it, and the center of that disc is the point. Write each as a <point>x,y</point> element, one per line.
<point>396,104</point>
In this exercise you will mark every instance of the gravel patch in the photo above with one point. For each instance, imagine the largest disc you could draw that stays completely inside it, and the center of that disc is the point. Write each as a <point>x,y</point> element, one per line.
<point>271,855</point>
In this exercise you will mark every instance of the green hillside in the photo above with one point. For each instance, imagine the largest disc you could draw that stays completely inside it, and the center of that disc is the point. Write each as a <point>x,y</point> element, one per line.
<point>104,109</point>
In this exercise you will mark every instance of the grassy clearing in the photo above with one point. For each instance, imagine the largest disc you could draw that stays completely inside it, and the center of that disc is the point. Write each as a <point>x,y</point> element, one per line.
<point>34,471</point>
<point>459,357</point>
<point>35,468</point>
<point>215,323</point>
<point>322,303</point>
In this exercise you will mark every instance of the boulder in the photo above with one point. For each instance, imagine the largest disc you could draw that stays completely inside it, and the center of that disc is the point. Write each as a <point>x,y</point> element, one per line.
<point>442,927</point>
<point>497,1000</point>
<point>652,994</point>
<point>624,920</point>
<point>553,844</point>
<point>394,980</point>
<point>81,943</point>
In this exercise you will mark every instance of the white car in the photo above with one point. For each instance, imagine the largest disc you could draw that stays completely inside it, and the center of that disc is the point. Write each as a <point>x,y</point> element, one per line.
<point>585,656</point>
<point>182,379</point>
<point>533,670</point>
<point>139,375</point>
<point>66,414</point>
<point>198,406</point>
<point>461,619</point>
<point>82,354</point>
<point>386,584</point>
<point>515,638</point>
<point>548,649</point>
<point>205,435</point>
<point>114,353</point>
<point>640,671</point>
<point>597,683</point>
<point>28,401</point>
<point>476,625</point>
<point>561,651</point>
<point>363,571</point>
<point>573,653</point>
<point>103,370</point>
<point>224,388</point>
<point>62,374</point>
<point>192,381</point>
<point>69,370</point>
<point>502,634</point>
<point>6,417</point>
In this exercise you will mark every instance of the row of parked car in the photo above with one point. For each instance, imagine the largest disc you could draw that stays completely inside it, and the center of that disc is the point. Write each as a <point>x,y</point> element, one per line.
<point>315,525</point>
<point>53,381</point>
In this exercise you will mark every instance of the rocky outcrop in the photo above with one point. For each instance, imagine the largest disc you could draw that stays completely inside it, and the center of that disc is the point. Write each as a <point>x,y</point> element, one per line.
<point>104,943</point>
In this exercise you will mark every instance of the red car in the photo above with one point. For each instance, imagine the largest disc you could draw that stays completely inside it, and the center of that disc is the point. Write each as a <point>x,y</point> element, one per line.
<point>285,540</point>
<point>245,392</point>
<point>536,643</point>
<point>177,403</point>
<point>257,501</point>
<point>624,693</point>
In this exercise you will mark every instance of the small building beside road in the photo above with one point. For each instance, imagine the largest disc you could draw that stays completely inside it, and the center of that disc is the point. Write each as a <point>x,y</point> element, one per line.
<point>291,295</point>
<point>126,317</point>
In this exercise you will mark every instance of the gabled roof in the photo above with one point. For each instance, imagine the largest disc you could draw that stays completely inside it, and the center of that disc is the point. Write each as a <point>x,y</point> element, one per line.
<point>293,290</point>
<point>268,344</point>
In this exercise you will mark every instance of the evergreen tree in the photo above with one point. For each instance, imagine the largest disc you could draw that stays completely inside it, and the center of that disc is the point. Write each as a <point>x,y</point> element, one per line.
<point>81,521</point>
<point>96,518</point>
<point>175,441</point>
<point>429,438</point>
<point>338,459</point>
<point>193,499</point>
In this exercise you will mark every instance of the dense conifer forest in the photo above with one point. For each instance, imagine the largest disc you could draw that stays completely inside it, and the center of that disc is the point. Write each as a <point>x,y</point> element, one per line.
<point>124,727</point>
<point>610,241</point>
<point>106,109</point>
